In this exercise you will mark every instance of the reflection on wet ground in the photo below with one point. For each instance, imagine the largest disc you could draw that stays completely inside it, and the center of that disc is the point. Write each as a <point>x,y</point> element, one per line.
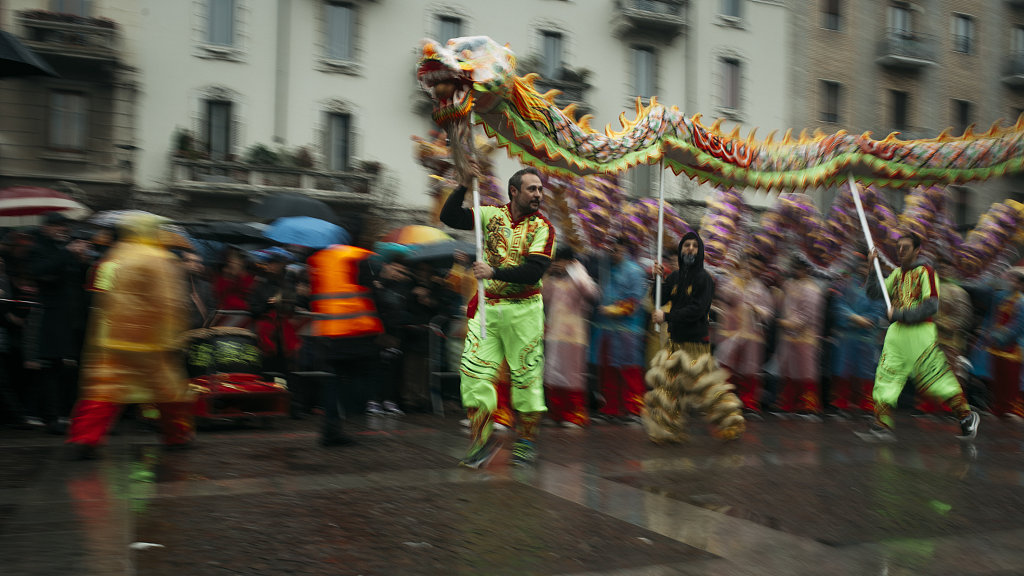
<point>788,498</point>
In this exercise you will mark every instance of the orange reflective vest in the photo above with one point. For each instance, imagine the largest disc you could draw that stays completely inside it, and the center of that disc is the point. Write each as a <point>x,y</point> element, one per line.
<point>342,307</point>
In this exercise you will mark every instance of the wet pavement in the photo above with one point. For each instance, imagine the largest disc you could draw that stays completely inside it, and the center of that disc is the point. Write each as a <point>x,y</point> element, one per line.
<point>791,497</point>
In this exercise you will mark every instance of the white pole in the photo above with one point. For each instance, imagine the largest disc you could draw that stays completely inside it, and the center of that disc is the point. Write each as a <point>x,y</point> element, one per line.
<point>661,239</point>
<point>867,236</point>
<point>481,307</point>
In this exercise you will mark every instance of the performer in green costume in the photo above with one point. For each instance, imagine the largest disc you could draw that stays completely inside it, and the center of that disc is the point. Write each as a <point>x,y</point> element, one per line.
<point>518,243</point>
<point>911,344</point>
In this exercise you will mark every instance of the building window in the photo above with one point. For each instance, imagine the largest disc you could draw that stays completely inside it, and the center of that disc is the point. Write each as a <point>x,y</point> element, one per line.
<point>899,22</point>
<point>449,27</point>
<point>551,63</point>
<point>961,115</point>
<point>963,33</point>
<point>829,101</point>
<point>340,31</point>
<point>644,71</point>
<point>67,120</point>
<point>339,141</point>
<point>221,17</point>
<point>830,14</point>
<point>76,7</point>
<point>731,8</point>
<point>899,109</point>
<point>1017,40</point>
<point>731,83</point>
<point>217,129</point>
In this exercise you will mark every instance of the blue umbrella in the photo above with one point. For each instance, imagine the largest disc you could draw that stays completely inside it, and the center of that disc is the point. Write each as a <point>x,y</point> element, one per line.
<point>306,231</point>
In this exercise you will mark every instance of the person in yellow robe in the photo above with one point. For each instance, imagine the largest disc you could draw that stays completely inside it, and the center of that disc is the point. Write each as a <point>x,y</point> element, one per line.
<point>132,351</point>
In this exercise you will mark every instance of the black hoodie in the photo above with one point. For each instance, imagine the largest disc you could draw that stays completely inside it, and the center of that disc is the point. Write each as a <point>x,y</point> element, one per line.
<point>690,290</point>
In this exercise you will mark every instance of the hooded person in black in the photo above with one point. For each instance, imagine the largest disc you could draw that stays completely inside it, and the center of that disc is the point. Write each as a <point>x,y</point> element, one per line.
<point>690,289</point>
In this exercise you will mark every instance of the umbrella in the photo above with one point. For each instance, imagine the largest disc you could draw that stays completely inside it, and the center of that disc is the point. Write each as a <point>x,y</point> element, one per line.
<point>439,252</point>
<point>111,218</point>
<point>17,60</point>
<point>230,232</point>
<point>26,206</point>
<point>415,234</point>
<point>284,205</point>
<point>307,231</point>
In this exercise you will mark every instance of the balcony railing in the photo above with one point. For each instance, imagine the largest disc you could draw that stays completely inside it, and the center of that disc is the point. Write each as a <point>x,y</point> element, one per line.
<point>901,49</point>
<point>1013,70</point>
<point>663,17</point>
<point>69,35</point>
<point>572,93</point>
<point>224,177</point>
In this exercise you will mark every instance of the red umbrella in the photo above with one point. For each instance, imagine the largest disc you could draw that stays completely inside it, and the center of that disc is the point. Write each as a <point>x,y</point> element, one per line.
<point>26,205</point>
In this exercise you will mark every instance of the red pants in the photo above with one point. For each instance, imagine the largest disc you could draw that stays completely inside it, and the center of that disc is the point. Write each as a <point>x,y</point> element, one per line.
<point>503,413</point>
<point>1005,386</point>
<point>91,420</point>
<point>848,394</point>
<point>748,388</point>
<point>567,405</point>
<point>623,389</point>
<point>799,396</point>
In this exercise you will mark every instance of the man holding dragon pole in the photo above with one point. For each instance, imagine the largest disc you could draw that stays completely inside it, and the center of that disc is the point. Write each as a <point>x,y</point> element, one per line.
<point>518,243</point>
<point>911,344</point>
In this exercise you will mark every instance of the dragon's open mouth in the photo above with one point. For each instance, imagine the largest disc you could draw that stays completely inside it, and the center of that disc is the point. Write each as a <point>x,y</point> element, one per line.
<point>451,93</point>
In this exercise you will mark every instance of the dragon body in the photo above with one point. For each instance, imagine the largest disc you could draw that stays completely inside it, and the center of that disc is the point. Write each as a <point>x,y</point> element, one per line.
<point>475,76</point>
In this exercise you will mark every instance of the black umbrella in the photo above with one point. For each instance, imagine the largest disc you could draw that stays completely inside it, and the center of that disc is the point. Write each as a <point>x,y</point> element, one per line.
<point>17,60</point>
<point>284,205</point>
<point>229,232</point>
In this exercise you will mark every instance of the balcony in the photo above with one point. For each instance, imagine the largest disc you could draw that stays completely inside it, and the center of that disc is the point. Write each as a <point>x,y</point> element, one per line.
<point>572,82</point>
<point>1013,70</point>
<point>663,18</point>
<point>67,35</point>
<point>221,177</point>
<point>899,49</point>
<point>572,93</point>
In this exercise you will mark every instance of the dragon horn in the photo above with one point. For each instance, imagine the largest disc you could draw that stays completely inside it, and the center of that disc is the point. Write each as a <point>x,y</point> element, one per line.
<point>969,132</point>
<point>584,123</point>
<point>717,125</point>
<point>996,128</point>
<point>735,134</point>
<point>770,138</point>
<point>944,136</point>
<point>788,138</point>
<point>570,111</point>
<point>751,134</point>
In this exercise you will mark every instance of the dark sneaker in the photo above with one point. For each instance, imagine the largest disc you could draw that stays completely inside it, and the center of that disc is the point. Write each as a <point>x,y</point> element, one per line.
<point>480,457</point>
<point>524,452</point>
<point>877,435</point>
<point>969,426</point>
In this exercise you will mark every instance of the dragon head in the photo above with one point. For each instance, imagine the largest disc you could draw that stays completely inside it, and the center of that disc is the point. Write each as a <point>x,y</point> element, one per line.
<point>463,74</point>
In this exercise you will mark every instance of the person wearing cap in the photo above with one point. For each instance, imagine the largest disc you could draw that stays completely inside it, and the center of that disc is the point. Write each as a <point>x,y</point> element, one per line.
<point>1003,344</point>
<point>617,340</point>
<point>746,309</point>
<point>272,305</point>
<point>801,319</point>
<point>911,347</point>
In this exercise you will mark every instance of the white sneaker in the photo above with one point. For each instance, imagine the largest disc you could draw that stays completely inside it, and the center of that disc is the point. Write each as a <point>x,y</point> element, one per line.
<point>375,408</point>
<point>392,408</point>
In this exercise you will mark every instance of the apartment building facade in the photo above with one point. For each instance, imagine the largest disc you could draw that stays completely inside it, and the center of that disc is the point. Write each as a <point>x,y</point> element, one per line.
<point>917,68</point>
<point>216,103</point>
